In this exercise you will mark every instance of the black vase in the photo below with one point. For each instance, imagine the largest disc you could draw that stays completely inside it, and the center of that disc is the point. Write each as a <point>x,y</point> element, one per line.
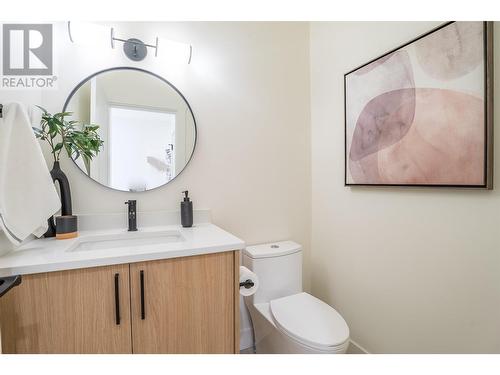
<point>65,191</point>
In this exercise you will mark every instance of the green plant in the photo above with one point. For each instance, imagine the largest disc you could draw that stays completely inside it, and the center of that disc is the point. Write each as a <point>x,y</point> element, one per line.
<point>77,139</point>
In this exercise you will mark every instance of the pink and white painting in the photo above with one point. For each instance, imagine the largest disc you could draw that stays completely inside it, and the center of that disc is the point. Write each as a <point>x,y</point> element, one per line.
<point>418,115</point>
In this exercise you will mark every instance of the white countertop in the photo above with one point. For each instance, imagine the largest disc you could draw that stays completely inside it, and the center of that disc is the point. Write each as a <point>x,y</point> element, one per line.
<point>49,254</point>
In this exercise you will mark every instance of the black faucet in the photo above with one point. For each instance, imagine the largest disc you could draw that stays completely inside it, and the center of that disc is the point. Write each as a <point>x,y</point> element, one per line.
<point>132,215</point>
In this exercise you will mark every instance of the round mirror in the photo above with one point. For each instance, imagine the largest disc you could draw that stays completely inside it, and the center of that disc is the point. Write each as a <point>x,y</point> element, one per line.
<point>146,126</point>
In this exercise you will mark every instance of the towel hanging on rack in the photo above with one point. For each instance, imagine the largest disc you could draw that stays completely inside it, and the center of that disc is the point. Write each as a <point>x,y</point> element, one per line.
<point>27,193</point>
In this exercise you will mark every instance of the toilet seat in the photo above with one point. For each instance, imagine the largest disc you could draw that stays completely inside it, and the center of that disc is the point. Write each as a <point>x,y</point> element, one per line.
<point>310,321</point>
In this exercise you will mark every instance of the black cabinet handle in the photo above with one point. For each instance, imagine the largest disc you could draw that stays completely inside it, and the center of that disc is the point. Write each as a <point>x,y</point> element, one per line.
<point>143,310</point>
<point>117,298</point>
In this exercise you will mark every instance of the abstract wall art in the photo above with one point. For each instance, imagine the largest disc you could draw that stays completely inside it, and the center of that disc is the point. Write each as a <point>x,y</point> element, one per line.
<point>421,114</point>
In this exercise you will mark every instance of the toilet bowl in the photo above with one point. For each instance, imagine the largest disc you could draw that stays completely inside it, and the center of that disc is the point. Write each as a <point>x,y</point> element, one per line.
<point>285,319</point>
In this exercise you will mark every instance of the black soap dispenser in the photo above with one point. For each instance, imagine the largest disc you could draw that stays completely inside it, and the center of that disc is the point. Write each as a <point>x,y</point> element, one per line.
<point>186,211</point>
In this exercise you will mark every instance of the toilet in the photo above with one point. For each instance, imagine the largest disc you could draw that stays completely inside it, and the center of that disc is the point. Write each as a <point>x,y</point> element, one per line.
<point>285,319</point>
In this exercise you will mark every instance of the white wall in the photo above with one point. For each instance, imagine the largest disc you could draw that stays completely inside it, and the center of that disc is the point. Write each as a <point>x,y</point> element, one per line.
<point>411,270</point>
<point>248,86</point>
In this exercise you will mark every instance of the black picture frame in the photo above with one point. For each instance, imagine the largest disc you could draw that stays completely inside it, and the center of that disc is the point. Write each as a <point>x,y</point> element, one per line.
<point>488,113</point>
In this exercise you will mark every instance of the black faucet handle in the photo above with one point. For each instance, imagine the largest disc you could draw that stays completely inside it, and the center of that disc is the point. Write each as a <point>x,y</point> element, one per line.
<point>131,202</point>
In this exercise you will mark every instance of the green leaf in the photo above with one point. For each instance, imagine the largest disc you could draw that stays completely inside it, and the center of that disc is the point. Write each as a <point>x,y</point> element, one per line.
<point>52,128</point>
<point>38,132</point>
<point>42,109</point>
<point>60,115</point>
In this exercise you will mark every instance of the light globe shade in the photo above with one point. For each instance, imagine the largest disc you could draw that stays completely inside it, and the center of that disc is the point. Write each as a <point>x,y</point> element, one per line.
<point>86,33</point>
<point>175,52</point>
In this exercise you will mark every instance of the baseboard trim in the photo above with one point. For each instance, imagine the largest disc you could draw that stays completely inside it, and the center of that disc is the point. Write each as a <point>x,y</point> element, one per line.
<point>355,348</point>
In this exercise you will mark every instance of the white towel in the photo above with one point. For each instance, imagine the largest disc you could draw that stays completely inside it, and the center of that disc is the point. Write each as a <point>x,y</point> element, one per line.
<point>28,196</point>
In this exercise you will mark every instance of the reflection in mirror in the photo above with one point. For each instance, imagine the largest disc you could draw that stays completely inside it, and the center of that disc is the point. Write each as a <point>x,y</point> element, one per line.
<point>147,127</point>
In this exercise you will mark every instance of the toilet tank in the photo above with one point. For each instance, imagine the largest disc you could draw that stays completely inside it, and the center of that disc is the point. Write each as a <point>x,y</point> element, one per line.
<point>278,266</point>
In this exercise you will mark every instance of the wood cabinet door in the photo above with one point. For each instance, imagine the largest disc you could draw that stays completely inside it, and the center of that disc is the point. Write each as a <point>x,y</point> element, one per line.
<point>68,312</point>
<point>184,305</point>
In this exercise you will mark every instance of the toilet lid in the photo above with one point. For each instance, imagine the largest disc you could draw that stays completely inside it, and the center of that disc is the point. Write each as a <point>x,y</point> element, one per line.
<point>309,320</point>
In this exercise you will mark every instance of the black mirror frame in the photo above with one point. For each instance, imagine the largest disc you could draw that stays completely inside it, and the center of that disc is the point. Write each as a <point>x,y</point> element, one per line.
<point>84,81</point>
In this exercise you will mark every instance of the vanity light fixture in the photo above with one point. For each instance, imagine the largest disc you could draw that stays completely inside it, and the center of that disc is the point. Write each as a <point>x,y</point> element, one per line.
<point>85,33</point>
<point>174,51</point>
<point>135,49</point>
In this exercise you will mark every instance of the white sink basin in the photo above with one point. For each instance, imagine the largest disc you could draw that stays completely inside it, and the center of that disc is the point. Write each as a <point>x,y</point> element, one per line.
<point>126,239</point>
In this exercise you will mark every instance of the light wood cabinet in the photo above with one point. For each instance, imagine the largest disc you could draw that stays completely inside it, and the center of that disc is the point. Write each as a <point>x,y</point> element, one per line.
<point>68,312</point>
<point>183,305</point>
<point>180,305</point>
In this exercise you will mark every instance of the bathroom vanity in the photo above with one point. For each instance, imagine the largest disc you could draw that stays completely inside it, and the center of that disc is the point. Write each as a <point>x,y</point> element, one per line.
<point>162,289</point>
